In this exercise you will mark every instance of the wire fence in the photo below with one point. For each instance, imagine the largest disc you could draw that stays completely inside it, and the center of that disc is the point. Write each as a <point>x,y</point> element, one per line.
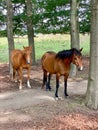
<point>4,56</point>
<point>4,51</point>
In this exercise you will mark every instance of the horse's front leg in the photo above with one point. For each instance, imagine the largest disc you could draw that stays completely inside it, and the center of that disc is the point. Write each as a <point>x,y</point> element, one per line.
<point>28,78</point>
<point>14,75</point>
<point>65,87</point>
<point>20,77</point>
<point>57,86</point>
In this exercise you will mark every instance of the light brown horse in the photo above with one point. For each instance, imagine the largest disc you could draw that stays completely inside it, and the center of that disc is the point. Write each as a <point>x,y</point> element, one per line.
<point>21,59</point>
<point>59,64</point>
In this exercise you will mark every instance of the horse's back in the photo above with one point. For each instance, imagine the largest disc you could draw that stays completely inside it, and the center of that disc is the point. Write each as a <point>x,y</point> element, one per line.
<point>16,58</point>
<point>48,61</point>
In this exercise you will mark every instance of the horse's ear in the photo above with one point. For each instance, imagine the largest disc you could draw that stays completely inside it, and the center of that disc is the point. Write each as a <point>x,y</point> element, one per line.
<point>81,49</point>
<point>24,47</point>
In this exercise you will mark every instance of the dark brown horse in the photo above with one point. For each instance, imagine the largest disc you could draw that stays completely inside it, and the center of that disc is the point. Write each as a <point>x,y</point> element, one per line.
<point>59,64</point>
<point>21,59</point>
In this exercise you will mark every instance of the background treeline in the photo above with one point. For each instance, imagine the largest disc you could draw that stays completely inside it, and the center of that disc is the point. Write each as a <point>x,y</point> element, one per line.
<point>48,16</point>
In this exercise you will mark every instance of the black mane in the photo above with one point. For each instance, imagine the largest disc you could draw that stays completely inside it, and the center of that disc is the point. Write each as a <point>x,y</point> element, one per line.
<point>67,53</point>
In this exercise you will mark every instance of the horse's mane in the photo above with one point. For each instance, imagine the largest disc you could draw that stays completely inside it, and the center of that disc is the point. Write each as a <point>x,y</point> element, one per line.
<point>67,53</point>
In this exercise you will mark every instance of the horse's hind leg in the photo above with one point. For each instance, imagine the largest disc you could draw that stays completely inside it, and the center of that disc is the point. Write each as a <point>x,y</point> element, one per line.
<point>48,82</point>
<point>14,75</point>
<point>44,78</point>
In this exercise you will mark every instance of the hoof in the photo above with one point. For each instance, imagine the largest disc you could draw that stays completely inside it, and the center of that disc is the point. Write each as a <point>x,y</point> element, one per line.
<point>29,86</point>
<point>14,80</point>
<point>56,98</point>
<point>20,87</point>
<point>59,98</point>
<point>66,96</point>
<point>49,89</point>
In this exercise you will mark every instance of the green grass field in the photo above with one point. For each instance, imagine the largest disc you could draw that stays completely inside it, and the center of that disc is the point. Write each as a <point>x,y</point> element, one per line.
<point>44,43</point>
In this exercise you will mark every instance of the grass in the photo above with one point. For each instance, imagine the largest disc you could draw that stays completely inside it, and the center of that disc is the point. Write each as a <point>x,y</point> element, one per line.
<point>43,43</point>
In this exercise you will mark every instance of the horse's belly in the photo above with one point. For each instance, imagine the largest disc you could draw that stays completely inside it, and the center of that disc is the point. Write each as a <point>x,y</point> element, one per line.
<point>48,65</point>
<point>17,65</point>
<point>26,66</point>
<point>48,61</point>
<point>49,68</point>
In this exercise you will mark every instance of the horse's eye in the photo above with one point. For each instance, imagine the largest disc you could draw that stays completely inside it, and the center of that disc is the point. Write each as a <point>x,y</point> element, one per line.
<point>75,58</point>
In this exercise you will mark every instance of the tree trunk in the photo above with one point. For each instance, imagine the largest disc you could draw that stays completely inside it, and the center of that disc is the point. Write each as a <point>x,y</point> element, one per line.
<point>30,27</point>
<point>10,31</point>
<point>92,88</point>
<point>74,31</point>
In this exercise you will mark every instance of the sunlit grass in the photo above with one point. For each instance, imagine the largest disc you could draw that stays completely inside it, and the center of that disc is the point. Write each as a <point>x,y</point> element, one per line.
<point>51,43</point>
<point>85,43</point>
<point>43,43</point>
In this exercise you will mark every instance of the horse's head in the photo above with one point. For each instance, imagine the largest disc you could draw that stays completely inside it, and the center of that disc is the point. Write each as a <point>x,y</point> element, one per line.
<point>27,53</point>
<point>77,59</point>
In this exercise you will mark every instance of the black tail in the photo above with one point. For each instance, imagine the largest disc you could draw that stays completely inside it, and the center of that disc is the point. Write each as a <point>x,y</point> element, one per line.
<point>44,79</point>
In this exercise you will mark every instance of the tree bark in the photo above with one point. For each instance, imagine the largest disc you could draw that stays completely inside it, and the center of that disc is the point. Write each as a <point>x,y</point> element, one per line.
<point>10,31</point>
<point>74,31</point>
<point>92,87</point>
<point>30,27</point>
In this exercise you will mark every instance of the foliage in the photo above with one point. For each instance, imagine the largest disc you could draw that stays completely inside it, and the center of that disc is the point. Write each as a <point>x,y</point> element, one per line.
<point>48,16</point>
<point>52,16</point>
<point>3,33</point>
<point>2,18</point>
<point>84,16</point>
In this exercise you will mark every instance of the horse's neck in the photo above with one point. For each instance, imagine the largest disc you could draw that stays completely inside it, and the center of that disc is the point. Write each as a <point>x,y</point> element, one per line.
<point>63,66</point>
<point>68,61</point>
<point>23,58</point>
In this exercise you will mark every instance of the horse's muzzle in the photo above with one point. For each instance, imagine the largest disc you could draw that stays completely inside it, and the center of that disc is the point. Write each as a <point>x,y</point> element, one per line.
<point>80,68</point>
<point>28,62</point>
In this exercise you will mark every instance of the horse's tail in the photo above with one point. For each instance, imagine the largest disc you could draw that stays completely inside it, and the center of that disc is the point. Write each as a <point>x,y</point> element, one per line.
<point>43,57</point>
<point>44,72</point>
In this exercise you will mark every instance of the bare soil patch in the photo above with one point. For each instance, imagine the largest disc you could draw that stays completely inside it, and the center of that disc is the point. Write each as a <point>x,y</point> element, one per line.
<point>36,109</point>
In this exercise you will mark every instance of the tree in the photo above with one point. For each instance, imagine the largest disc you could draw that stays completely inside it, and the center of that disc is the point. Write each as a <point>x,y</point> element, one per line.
<point>30,27</point>
<point>92,87</point>
<point>74,31</point>
<point>10,30</point>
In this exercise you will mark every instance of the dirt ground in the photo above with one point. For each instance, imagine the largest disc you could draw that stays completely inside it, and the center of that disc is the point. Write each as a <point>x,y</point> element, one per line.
<point>37,109</point>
